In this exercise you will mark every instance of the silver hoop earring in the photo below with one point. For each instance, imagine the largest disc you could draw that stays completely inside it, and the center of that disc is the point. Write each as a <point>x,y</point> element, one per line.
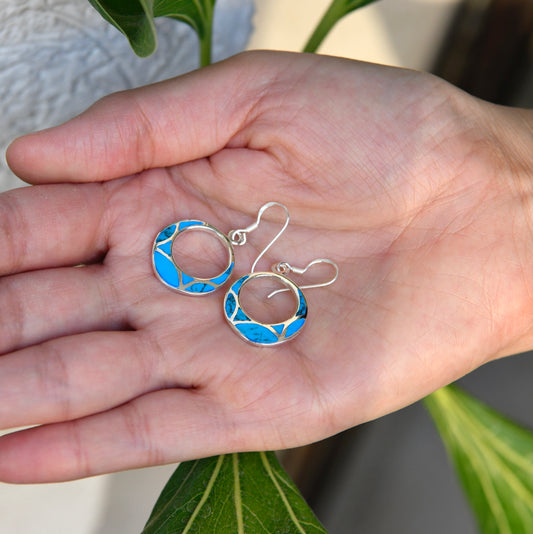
<point>269,335</point>
<point>173,276</point>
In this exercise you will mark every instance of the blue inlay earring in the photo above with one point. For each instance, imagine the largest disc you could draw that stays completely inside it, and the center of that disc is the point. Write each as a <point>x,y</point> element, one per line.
<point>269,335</point>
<point>171,274</point>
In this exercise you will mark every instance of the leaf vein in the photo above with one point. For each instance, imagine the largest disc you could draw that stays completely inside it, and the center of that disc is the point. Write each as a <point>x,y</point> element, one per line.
<point>205,496</point>
<point>238,495</point>
<point>292,515</point>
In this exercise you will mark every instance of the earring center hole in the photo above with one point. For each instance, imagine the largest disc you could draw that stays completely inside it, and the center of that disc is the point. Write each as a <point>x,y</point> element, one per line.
<point>200,253</point>
<point>255,302</point>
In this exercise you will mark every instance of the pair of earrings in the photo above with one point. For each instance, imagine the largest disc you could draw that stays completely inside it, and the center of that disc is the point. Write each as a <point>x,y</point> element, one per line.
<point>255,332</point>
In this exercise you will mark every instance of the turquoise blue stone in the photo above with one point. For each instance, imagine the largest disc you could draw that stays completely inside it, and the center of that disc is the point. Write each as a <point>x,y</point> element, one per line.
<point>186,279</point>
<point>237,285</point>
<point>294,327</point>
<point>278,328</point>
<point>241,316</point>
<point>166,247</point>
<point>166,270</point>
<point>185,224</point>
<point>257,333</point>
<point>302,308</point>
<point>230,305</point>
<point>219,280</point>
<point>200,288</point>
<point>166,233</point>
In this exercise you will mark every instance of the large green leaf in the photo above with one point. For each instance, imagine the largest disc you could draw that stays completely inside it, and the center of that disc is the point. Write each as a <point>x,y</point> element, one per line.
<point>335,12</point>
<point>243,493</point>
<point>135,19</point>
<point>493,458</point>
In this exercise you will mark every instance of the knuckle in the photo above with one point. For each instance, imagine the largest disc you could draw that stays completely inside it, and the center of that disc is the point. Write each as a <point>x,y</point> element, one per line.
<point>81,462</point>
<point>13,228</point>
<point>132,127</point>
<point>54,381</point>
<point>138,429</point>
<point>12,318</point>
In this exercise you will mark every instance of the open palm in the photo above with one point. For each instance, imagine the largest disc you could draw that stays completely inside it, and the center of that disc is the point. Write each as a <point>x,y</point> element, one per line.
<point>389,173</point>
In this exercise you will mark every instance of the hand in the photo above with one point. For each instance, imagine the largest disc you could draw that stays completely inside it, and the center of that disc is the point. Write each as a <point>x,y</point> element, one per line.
<point>415,189</point>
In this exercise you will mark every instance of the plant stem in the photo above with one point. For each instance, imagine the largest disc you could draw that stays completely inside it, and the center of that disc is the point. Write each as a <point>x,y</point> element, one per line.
<point>205,49</point>
<point>336,10</point>
<point>332,15</point>
<point>206,36</point>
<point>206,43</point>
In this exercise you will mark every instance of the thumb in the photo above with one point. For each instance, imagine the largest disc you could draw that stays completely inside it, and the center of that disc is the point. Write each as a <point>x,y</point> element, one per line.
<point>171,122</point>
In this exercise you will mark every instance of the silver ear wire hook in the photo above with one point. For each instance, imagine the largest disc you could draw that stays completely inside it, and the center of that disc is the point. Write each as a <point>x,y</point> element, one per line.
<point>285,268</point>
<point>238,237</point>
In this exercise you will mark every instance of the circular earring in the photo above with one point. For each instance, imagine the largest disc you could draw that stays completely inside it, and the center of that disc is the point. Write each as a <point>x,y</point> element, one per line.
<point>169,272</point>
<point>173,276</point>
<point>263,334</point>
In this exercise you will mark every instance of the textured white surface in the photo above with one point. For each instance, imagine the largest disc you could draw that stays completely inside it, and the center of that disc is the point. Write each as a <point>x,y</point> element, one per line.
<point>58,56</point>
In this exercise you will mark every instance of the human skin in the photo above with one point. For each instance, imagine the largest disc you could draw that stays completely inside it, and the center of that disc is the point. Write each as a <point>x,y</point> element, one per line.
<point>419,192</point>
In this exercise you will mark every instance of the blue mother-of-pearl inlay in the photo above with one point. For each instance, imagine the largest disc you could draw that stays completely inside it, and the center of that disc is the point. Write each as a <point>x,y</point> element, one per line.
<point>259,333</point>
<point>172,275</point>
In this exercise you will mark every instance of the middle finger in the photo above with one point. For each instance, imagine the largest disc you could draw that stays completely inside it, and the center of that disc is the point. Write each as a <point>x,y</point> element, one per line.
<point>42,305</point>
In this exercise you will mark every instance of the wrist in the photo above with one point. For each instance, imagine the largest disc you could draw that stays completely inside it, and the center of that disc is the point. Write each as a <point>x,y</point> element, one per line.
<point>512,159</point>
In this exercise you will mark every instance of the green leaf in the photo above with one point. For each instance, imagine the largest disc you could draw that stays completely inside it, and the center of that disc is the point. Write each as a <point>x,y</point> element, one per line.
<point>335,12</point>
<point>244,493</point>
<point>493,457</point>
<point>196,13</point>
<point>135,19</point>
<point>346,6</point>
